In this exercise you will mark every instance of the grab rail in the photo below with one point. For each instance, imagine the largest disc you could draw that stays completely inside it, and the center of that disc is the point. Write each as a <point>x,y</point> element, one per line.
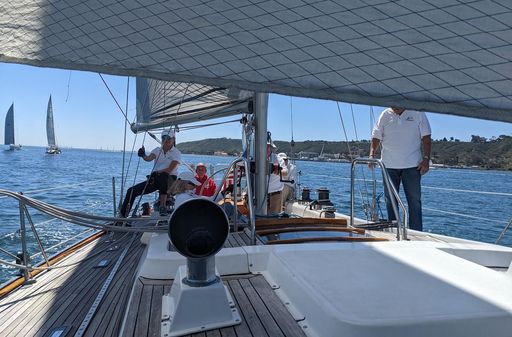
<point>387,185</point>
<point>250,206</point>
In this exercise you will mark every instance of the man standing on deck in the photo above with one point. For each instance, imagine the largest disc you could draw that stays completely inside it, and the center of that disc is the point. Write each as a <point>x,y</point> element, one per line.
<point>289,186</point>
<point>167,158</point>
<point>406,143</point>
<point>275,185</point>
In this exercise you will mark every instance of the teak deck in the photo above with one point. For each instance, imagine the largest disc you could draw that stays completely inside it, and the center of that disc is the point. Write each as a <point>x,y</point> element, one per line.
<point>62,298</point>
<point>261,311</point>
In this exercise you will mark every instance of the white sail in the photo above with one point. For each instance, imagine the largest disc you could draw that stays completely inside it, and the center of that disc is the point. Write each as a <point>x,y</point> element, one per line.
<point>50,132</point>
<point>9,127</point>
<point>162,103</point>
<point>449,57</point>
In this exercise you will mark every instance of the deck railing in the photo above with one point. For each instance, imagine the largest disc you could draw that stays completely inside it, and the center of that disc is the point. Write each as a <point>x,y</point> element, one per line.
<point>252,215</point>
<point>391,191</point>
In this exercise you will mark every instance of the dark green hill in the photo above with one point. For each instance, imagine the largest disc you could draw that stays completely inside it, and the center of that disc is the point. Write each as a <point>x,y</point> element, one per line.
<point>493,154</point>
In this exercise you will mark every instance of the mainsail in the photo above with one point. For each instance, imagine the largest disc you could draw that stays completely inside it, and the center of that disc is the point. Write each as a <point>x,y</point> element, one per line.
<point>9,126</point>
<point>162,103</point>
<point>50,132</point>
<point>451,57</point>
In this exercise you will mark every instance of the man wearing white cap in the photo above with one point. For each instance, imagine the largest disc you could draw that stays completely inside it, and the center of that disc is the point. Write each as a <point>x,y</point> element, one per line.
<point>289,186</point>
<point>167,158</point>
<point>275,185</point>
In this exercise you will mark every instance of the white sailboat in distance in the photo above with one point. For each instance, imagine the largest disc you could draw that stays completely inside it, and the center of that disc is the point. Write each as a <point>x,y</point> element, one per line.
<point>50,131</point>
<point>9,131</point>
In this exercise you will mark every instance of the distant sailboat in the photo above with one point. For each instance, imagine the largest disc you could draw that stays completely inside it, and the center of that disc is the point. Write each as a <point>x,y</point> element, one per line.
<point>50,132</point>
<point>9,130</point>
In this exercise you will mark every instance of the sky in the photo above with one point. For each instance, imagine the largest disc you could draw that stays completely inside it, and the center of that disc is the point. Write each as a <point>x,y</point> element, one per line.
<point>86,114</point>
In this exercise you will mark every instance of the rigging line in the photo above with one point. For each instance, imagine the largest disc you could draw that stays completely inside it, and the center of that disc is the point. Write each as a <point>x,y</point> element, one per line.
<point>124,138</point>
<point>354,121</point>
<point>348,144</point>
<point>61,243</point>
<point>372,119</point>
<point>357,139</point>
<point>502,234</point>
<point>344,131</point>
<point>114,98</point>
<point>69,80</point>
<point>374,179</point>
<point>291,115</point>
<point>462,215</point>
<point>137,171</point>
<point>88,257</point>
<point>131,157</point>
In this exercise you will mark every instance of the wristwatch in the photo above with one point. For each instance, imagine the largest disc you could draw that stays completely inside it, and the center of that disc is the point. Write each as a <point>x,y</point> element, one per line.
<point>426,157</point>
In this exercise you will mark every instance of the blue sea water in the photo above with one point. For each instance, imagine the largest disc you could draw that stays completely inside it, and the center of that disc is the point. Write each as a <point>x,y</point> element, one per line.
<point>471,204</point>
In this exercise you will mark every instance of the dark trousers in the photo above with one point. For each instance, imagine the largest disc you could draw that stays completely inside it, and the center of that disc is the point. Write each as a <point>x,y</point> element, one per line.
<point>157,181</point>
<point>411,180</point>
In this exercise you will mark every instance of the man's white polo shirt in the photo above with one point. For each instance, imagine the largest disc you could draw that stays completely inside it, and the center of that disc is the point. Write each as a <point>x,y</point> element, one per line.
<point>164,159</point>
<point>400,136</point>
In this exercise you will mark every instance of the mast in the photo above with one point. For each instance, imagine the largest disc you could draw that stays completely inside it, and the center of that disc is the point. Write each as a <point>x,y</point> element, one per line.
<point>9,126</point>
<point>260,112</point>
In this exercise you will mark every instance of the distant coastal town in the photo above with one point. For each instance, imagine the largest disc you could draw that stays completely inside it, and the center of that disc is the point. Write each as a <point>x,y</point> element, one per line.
<point>478,152</point>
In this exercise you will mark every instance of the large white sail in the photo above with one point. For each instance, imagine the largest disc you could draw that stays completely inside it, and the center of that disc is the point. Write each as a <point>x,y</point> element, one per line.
<point>444,56</point>
<point>50,132</point>
<point>9,127</point>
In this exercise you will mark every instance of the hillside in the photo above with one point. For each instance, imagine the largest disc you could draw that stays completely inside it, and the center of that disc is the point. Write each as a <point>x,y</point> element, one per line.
<point>491,154</point>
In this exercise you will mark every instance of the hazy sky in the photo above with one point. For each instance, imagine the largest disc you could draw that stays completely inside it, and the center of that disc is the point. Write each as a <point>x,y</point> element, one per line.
<point>86,115</point>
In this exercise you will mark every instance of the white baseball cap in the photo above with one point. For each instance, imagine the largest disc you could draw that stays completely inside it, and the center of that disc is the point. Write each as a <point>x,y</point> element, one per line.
<point>188,176</point>
<point>168,133</point>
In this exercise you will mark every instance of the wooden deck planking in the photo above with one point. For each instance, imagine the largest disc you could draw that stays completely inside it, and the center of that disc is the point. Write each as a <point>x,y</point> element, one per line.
<point>261,316</point>
<point>62,297</point>
<point>8,302</point>
<point>38,295</point>
<point>109,315</point>
<point>251,324</point>
<point>85,295</point>
<point>156,313</point>
<point>133,309</point>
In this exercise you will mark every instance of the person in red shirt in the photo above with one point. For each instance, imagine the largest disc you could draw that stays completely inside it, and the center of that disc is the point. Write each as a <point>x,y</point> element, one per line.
<point>208,183</point>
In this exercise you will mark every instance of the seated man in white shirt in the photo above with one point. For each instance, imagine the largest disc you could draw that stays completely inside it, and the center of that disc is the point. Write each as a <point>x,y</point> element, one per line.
<point>167,158</point>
